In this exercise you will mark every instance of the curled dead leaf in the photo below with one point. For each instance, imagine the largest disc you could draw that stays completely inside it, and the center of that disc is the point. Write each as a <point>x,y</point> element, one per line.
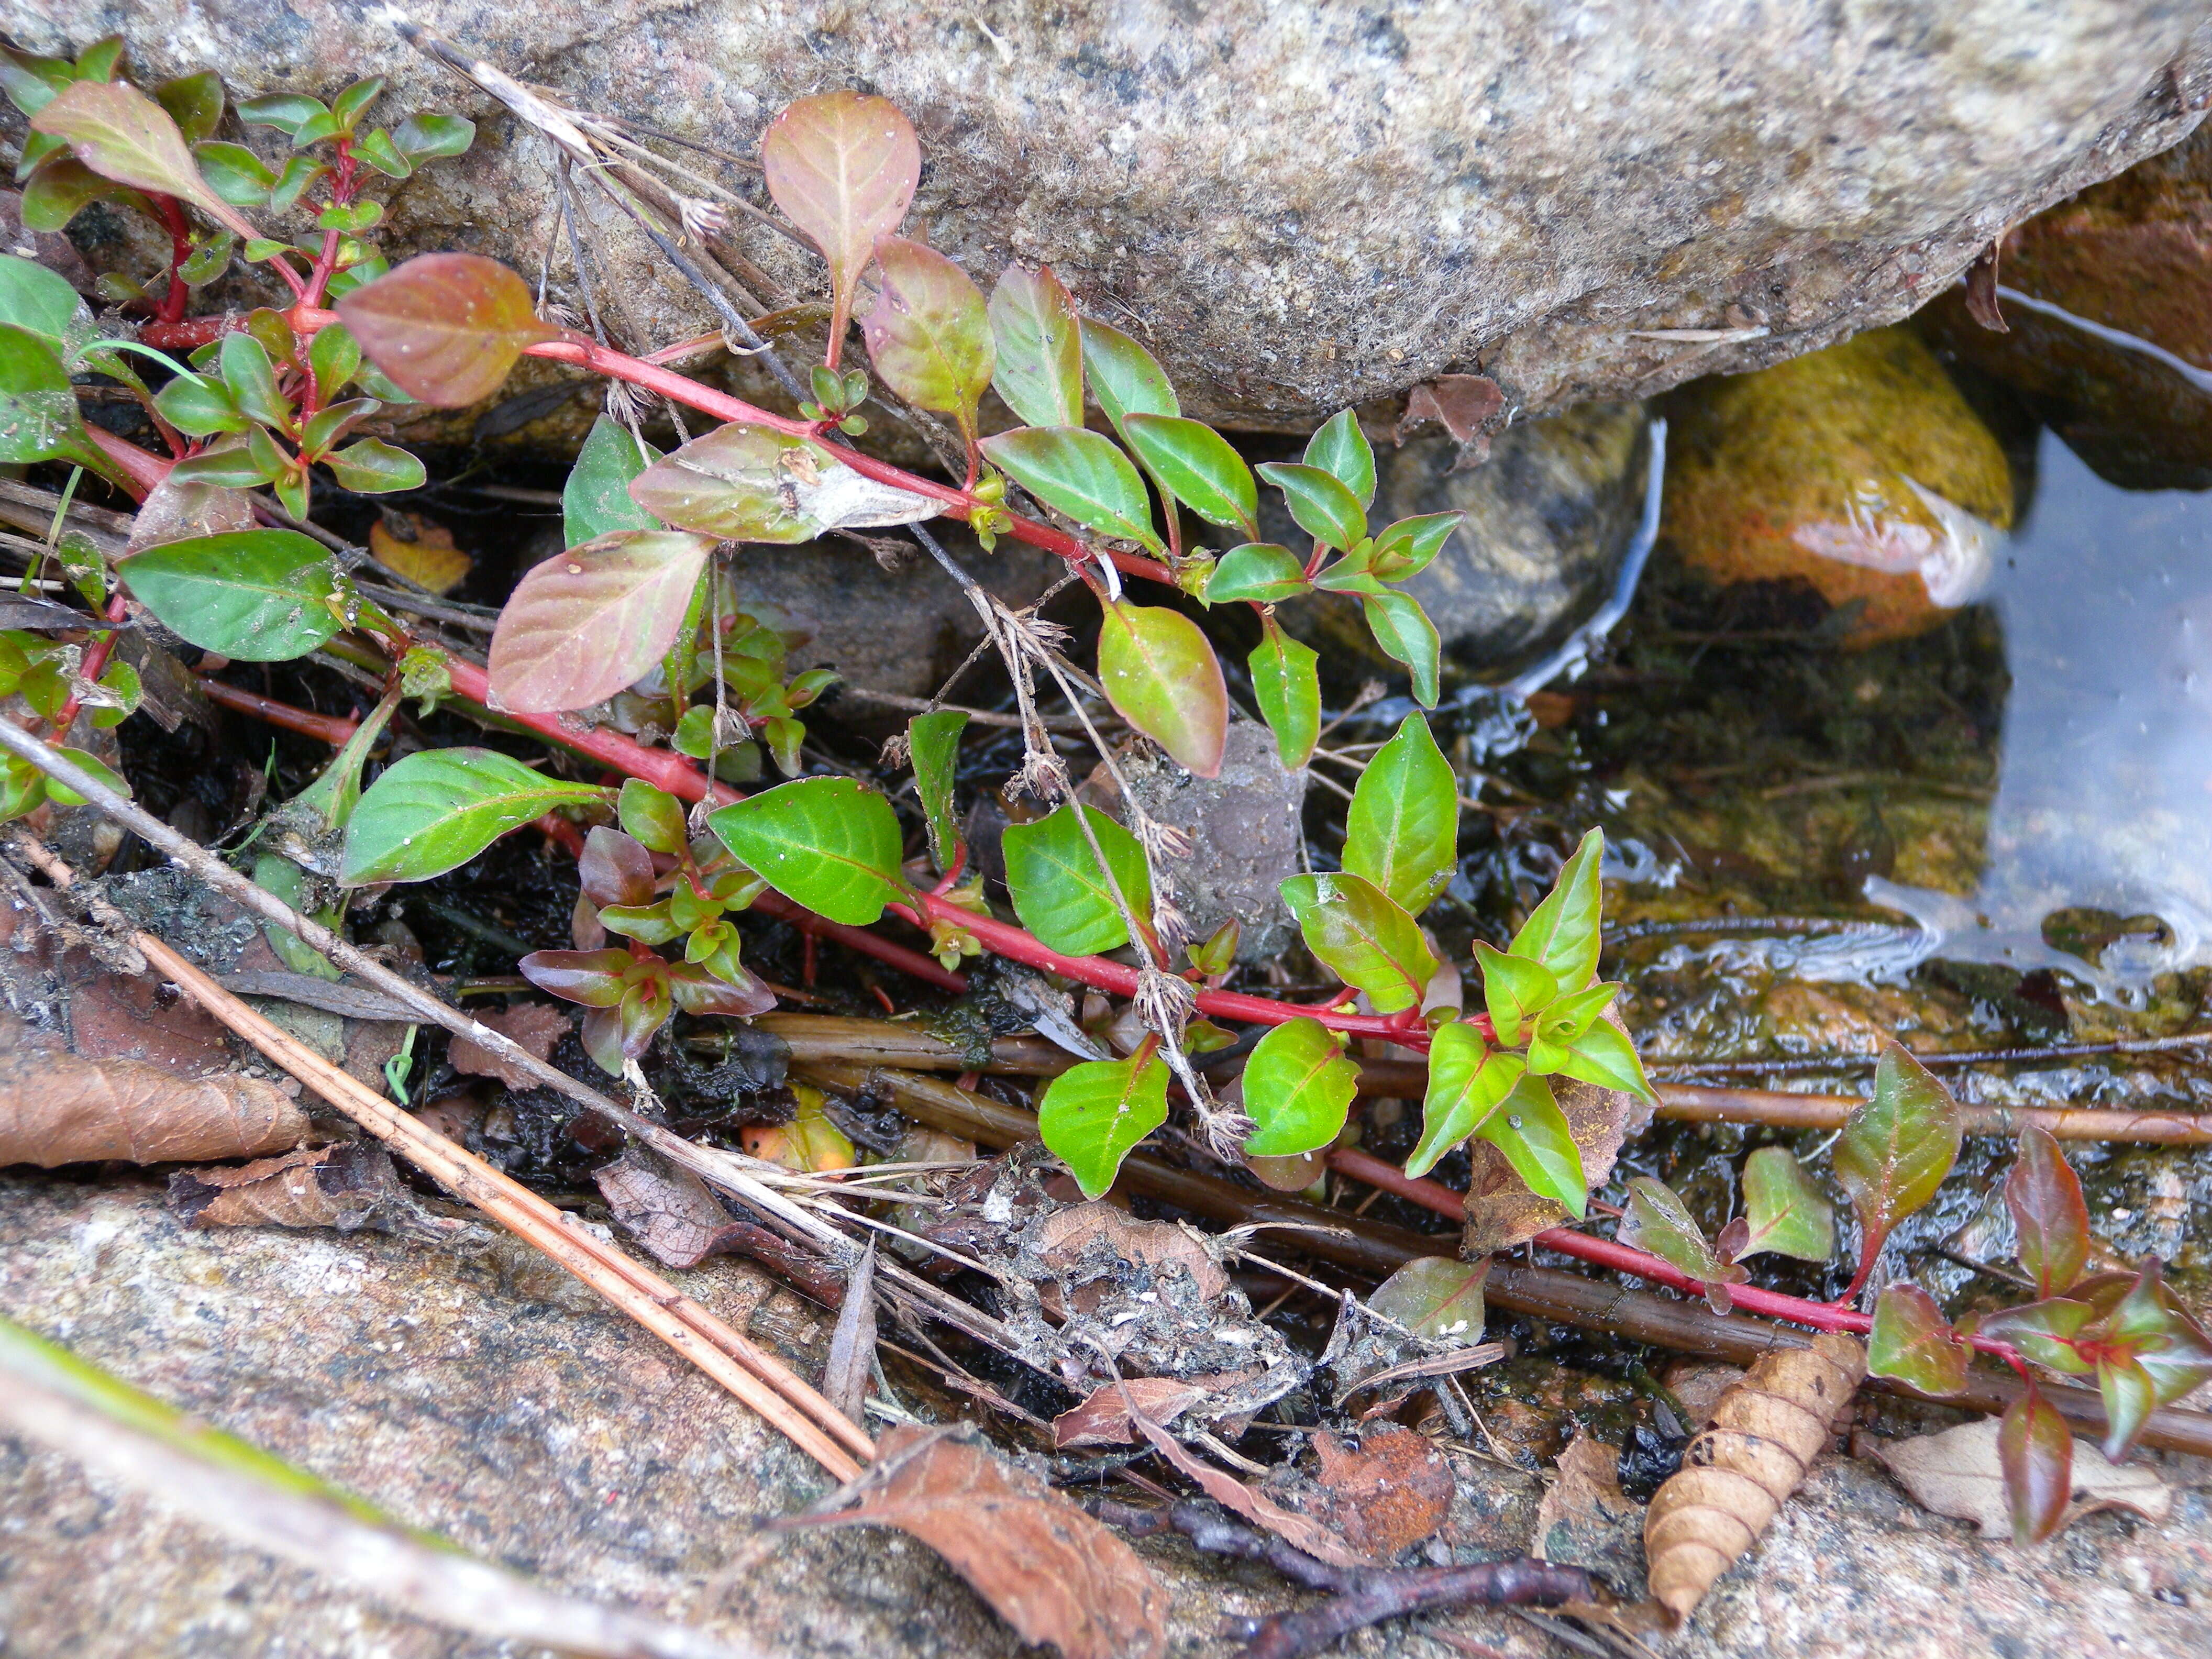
<point>1462,404</point>
<point>1957,1474</point>
<point>347,1187</point>
<point>427,556</point>
<point>1764,1434</point>
<point>535,1025</point>
<point>1385,1491</point>
<point>1585,1498</point>
<point>681,1223</point>
<point>1047,1568</point>
<point>57,1108</point>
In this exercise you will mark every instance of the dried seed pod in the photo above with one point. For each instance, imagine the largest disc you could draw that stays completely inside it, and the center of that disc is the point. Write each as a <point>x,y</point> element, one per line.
<point>1766,1431</point>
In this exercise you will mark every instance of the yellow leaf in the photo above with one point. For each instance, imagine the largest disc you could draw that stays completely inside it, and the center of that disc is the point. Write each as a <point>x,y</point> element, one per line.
<point>430,560</point>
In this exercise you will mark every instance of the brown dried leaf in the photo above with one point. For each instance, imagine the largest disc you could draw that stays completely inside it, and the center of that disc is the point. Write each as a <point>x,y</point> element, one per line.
<point>853,1345</point>
<point>1460,404</point>
<point>669,1211</point>
<point>346,1186</point>
<point>1501,1210</point>
<point>1387,1491</point>
<point>1764,1434</point>
<point>427,558</point>
<point>1957,1474</point>
<point>58,1108</point>
<point>1302,1531</point>
<point>535,1025</point>
<point>1982,290</point>
<point>1585,1498</point>
<point>1102,1419</point>
<point>1050,1571</point>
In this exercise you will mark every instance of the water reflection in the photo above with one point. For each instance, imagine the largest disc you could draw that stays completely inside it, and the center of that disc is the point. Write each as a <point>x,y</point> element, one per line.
<point>2105,794</point>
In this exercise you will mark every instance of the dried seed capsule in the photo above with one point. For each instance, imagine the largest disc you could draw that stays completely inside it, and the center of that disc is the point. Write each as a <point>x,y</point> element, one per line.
<point>1766,1431</point>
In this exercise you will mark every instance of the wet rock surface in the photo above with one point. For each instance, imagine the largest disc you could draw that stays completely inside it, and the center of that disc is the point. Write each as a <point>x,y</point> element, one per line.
<point>1550,516</point>
<point>2133,254</point>
<point>1848,471</point>
<point>1303,205</point>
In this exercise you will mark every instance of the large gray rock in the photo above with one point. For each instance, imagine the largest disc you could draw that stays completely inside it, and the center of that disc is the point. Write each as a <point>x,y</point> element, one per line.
<point>1301,204</point>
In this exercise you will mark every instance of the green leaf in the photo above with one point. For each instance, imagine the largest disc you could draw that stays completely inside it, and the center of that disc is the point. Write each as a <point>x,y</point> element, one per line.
<point>1786,1213</point>
<point>447,327</point>
<point>653,817</point>
<point>235,174</point>
<point>1196,465</point>
<point>2048,1213</point>
<point>1299,1087</point>
<point>1361,933</point>
<point>38,419</point>
<point>1080,473</point>
<point>1407,547</point>
<point>300,172</point>
<point>62,187</point>
<point>2155,1352</point>
<point>1658,1221</point>
<point>251,379</point>
<point>1563,932</point>
<point>2035,1449</point>
<point>334,358</point>
<point>1602,1054</point>
<point>1325,508</point>
<point>1123,376</point>
<point>349,105</point>
<point>586,623</point>
<point>1263,572</point>
<point>1913,1342</point>
<point>730,483</point>
<point>1406,634</point>
<point>376,148</point>
<point>288,111</point>
<point>1532,1132</point>
<point>1039,346</point>
<point>194,102</point>
<point>1059,891</point>
<point>1435,1296</point>
<point>333,422</point>
<point>37,300</point>
<point>1286,685</point>
<point>229,463</point>
<point>1342,450</point>
<point>1514,989</point>
<point>1093,1115</point>
<point>425,138</point>
<point>121,134</point>
<point>256,595</point>
<point>826,843</point>
<point>1896,1148</point>
<point>1162,676</point>
<point>65,796</point>
<point>934,744</point>
<point>929,334</point>
<point>1468,1081</point>
<point>596,498</point>
<point>842,166</point>
<point>438,808</point>
<point>2044,1331</point>
<point>374,467</point>
<point>1402,832</point>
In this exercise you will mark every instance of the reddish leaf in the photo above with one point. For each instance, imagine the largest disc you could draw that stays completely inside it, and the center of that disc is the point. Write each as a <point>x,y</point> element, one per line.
<point>1386,1491</point>
<point>1914,1343</point>
<point>842,166</point>
<point>593,978</point>
<point>699,992</point>
<point>2151,1351</point>
<point>1161,676</point>
<point>2045,1197</point>
<point>1462,404</point>
<point>446,327</point>
<point>586,622</point>
<point>615,868</point>
<point>1048,1570</point>
<point>738,483</point>
<point>1658,1221</point>
<point>2036,1455</point>
<point>2044,1331</point>
<point>1896,1149</point>
<point>536,1026</point>
<point>929,335</point>
<point>1302,1531</point>
<point>1102,1418</point>
<point>121,134</point>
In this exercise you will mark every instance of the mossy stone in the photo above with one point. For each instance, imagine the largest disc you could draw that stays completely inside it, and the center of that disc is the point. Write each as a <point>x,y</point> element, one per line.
<point>1805,472</point>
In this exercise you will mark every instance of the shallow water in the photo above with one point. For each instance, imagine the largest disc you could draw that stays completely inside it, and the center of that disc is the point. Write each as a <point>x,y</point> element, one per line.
<point>2104,772</point>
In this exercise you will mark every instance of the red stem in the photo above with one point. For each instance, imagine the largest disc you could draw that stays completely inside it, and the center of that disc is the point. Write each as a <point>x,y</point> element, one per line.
<point>180,249</point>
